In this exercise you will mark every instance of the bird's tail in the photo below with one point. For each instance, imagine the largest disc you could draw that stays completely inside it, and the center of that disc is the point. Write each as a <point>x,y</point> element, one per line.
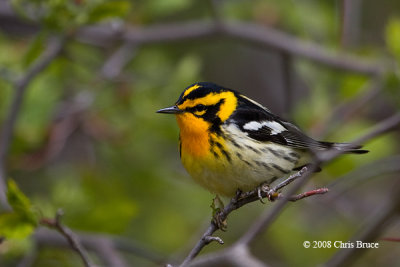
<point>345,147</point>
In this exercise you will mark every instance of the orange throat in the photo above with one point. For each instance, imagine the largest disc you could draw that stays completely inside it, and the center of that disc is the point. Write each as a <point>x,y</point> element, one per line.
<point>193,135</point>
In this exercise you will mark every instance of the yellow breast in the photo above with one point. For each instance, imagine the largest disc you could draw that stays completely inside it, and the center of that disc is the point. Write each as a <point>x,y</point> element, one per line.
<point>201,157</point>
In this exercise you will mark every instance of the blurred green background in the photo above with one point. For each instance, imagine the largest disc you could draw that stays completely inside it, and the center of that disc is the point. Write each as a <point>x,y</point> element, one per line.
<point>91,143</point>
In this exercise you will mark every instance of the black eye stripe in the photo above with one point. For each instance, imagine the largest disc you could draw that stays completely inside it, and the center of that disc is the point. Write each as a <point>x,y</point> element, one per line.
<point>201,107</point>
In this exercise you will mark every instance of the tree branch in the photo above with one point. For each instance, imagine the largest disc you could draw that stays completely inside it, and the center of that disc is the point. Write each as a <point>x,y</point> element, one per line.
<point>99,243</point>
<point>69,236</point>
<point>362,174</point>
<point>244,198</point>
<point>387,125</point>
<point>343,112</point>
<point>252,34</point>
<point>118,60</point>
<point>263,37</point>
<point>7,130</point>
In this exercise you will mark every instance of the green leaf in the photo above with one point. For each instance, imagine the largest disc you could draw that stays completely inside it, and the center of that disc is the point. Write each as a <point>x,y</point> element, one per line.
<point>35,49</point>
<point>109,9</point>
<point>351,85</point>
<point>18,201</point>
<point>22,221</point>
<point>393,37</point>
<point>14,226</point>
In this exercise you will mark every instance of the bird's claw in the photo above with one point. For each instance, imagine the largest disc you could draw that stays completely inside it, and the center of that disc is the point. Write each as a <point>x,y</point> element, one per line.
<point>217,207</point>
<point>263,188</point>
<point>219,221</point>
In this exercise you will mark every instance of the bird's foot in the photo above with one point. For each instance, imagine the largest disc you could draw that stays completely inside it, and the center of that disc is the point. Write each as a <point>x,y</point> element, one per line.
<point>217,207</point>
<point>264,191</point>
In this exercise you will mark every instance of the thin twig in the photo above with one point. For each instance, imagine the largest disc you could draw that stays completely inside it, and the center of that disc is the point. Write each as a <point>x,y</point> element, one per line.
<point>96,243</point>
<point>314,192</point>
<point>118,60</point>
<point>344,112</point>
<point>50,53</point>
<point>290,179</point>
<point>69,236</point>
<point>200,244</point>
<point>388,124</point>
<point>362,174</point>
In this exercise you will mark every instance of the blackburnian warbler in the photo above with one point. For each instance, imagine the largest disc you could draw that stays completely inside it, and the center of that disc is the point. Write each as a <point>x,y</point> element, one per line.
<point>230,142</point>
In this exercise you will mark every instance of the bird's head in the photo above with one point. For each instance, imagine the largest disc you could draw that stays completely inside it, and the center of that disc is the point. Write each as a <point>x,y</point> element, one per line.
<point>203,103</point>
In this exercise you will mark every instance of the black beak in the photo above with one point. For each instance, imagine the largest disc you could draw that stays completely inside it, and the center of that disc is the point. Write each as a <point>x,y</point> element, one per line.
<point>170,110</point>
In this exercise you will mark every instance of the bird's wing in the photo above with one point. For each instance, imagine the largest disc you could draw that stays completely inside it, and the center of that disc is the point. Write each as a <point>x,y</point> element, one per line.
<point>261,125</point>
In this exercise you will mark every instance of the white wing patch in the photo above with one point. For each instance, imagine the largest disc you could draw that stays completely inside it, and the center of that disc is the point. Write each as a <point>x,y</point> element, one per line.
<point>275,127</point>
<point>252,126</point>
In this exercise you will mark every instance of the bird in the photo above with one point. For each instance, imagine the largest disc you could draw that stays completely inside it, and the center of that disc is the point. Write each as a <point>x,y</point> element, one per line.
<point>229,142</point>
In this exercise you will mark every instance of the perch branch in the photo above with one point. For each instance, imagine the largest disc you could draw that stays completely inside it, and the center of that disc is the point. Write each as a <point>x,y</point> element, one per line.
<point>242,199</point>
<point>267,218</point>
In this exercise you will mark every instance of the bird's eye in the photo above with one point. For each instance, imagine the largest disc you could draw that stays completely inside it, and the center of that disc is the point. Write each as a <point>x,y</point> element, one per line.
<point>200,107</point>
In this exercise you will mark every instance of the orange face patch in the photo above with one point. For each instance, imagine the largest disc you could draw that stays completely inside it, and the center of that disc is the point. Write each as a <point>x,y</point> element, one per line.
<point>194,134</point>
